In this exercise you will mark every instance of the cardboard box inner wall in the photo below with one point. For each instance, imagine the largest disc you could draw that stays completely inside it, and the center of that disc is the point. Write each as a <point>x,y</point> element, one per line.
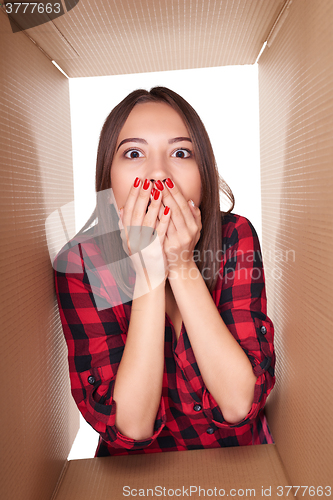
<point>39,420</point>
<point>296,129</point>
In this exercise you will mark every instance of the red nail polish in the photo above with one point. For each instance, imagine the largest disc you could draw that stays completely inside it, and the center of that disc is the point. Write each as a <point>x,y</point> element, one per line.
<point>169,183</point>
<point>152,191</point>
<point>156,194</point>
<point>166,210</point>
<point>146,184</point>
<point>136,182</point>
<point>159,185</point>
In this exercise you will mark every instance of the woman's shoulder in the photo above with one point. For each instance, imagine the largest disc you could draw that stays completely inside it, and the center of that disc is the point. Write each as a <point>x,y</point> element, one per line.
<point>236,226</point>
<point>77,251</point>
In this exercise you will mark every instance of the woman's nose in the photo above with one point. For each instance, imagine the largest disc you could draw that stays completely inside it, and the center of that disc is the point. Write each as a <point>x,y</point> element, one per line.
<point>157,169</point>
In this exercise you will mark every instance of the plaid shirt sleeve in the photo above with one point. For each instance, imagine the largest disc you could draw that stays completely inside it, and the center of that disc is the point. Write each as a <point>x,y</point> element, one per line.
<point>95,343</point>
<point>243,308</point>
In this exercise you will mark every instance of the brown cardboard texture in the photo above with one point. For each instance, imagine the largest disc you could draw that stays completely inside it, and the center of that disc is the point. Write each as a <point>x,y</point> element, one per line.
<point>39,418</point>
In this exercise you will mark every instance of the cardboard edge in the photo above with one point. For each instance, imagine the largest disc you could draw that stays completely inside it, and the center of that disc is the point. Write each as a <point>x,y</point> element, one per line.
<point>283,468</point>
<point>60,480</point>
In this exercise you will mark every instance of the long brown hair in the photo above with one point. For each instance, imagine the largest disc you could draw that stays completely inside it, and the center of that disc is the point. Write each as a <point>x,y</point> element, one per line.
<point>210,243</point>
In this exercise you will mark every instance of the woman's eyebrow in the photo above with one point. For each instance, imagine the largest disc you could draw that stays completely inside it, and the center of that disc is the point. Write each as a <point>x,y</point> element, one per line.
<point>132,139</point>
<point>179,139</point>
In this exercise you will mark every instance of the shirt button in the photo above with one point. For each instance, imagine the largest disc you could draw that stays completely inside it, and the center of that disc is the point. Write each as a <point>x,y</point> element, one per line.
<point>197,407</point>
<point>210,430</point>
<point>263,330</point>
<point>91,380</point>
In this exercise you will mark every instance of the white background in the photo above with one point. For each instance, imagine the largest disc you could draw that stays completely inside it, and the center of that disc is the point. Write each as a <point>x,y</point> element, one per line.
<point>226,99</point>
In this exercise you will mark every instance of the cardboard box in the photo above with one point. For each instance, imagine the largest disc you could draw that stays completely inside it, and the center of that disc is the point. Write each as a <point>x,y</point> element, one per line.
<point>39,419</point>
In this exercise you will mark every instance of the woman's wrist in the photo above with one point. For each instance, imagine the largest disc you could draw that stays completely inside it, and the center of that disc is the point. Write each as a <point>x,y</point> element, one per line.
<point>149,273</point>
<point>144,285</point>
<point>185,270</point>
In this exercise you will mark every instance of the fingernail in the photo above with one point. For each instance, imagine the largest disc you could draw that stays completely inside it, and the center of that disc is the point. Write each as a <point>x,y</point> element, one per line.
<point>192,203</point>
<point>156,194</point>
<point>136,182</point>
<point>159,185</point>
<point>146,184</point>
<point>166,210</point>
<point>169,183</point>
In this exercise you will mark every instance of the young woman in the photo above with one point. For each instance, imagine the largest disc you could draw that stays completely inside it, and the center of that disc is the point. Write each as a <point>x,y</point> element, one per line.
<point>169,344</point>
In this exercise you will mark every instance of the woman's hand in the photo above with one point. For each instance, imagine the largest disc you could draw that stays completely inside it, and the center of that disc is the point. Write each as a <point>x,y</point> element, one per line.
<point>143,233</point>
<point>183,231</point>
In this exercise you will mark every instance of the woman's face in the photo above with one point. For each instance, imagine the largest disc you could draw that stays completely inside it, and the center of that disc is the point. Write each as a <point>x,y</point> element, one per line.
<point>154,144</point>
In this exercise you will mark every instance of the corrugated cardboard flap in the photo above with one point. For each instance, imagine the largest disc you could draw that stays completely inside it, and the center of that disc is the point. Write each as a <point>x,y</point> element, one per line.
<point>239,468</point>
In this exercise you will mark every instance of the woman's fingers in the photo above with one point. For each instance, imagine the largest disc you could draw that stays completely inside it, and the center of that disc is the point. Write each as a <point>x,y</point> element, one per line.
<point>150,219</point>
<point>196,212</point>
<point>158,216</point>
<point>183,217</point>
<point>160,212</point>
<point>164,221</point>
<point>135,211</point>
<point>140,222</point>
<point>151,216</point>
<point>184,228</point>
<point>136,204</point>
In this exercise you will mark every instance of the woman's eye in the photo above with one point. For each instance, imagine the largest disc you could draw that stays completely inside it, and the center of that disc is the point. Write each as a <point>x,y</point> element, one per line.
<point>133,153</point>
<point>182,153</point>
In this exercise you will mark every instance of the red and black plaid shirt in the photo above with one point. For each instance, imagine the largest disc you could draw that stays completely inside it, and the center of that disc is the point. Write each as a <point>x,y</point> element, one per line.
<point>188,416</point>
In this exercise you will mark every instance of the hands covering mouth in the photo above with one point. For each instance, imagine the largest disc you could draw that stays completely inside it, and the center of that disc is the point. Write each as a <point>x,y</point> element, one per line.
<point>177,222</point>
